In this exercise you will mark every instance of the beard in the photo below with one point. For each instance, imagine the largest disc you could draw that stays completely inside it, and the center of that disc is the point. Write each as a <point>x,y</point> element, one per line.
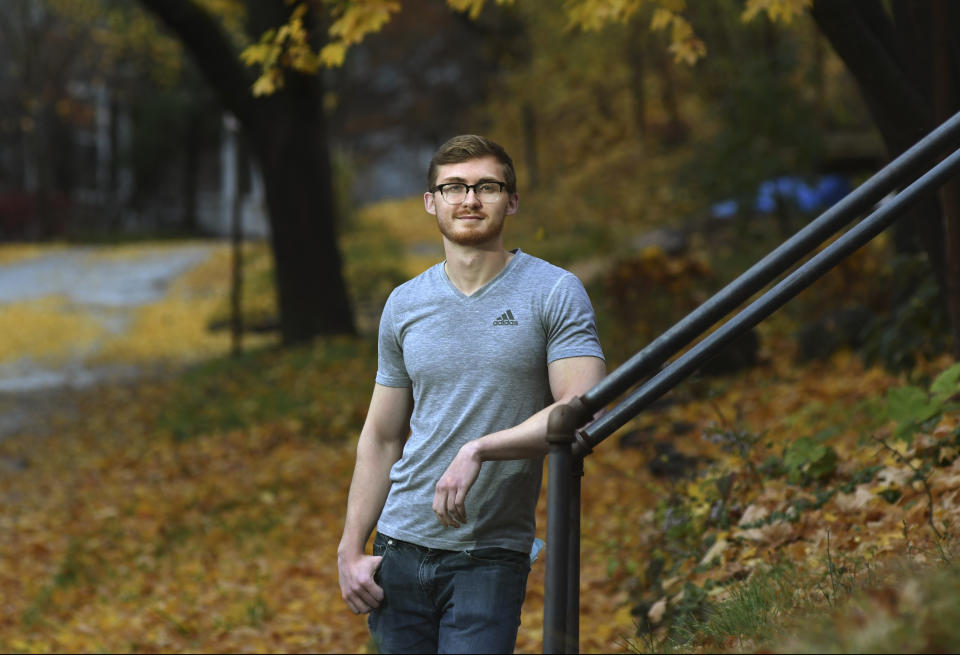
<point>473,236</point>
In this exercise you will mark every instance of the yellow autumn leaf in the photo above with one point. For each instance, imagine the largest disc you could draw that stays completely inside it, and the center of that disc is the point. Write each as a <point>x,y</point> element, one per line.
<point>265,84</point>
<point>776,10</point>
<point>593,15</point>
<point>303,59</point>
<point>470,7</point>
<point>661,19</point>
<point>333,54</point>
<point>257,53</point>
<point>684,44</point>
<point>362,18</point>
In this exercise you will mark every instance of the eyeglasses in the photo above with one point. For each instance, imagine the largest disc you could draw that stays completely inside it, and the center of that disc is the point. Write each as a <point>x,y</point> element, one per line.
<point>455,192</point>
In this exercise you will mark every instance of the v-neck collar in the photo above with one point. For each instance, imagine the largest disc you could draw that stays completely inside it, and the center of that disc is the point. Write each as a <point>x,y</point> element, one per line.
<point>517,253</point>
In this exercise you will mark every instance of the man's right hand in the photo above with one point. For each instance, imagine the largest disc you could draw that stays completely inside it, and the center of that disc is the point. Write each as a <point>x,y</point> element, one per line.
<point>359,590</point>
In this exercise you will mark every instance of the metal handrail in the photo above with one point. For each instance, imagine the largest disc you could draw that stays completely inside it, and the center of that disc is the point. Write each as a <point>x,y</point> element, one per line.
<point>571,438</point>
<point>769,302</point>
<point>897,173</point>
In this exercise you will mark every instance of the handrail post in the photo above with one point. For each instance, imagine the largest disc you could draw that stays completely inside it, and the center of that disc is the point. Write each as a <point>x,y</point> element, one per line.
<point>573,557</point>
<point>562,424</point>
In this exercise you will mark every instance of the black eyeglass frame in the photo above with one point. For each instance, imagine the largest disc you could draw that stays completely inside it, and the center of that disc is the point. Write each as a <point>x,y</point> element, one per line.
<point>467,187</point>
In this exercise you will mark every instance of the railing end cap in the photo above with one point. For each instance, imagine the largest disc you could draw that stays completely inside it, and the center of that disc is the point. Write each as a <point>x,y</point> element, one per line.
<point>564,420</point>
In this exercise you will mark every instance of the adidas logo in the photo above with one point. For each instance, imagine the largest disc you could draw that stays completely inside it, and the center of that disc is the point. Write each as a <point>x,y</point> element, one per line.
<point>506,318</point>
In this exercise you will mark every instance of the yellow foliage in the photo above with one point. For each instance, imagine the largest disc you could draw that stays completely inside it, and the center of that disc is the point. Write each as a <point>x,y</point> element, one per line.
<point>362,18</point>
<point>172,330</point>
<point>662,18</point>
<point>121,33</point>
<point>288,47</point>
<point>470,7</point>
<point>684,44</point>
<point>593,15</point>
<point>118,538</point>
<point>473,7</point>
<point>13,253</point>
<point>46,329</point>
<point>267,83</point>
<point>776,10</point>
<point>333,54</point>
<point>259,53</point>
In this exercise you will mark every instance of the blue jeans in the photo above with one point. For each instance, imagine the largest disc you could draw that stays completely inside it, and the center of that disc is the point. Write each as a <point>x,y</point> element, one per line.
<point>444,601</point>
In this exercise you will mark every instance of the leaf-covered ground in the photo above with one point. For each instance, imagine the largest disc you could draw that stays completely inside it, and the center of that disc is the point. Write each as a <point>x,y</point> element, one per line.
<point>200,511</point>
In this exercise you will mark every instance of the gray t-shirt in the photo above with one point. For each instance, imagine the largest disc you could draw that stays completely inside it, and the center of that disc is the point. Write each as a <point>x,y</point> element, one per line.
<point>477,364</point>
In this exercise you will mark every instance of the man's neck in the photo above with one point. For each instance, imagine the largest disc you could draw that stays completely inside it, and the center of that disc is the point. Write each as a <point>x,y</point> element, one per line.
<point>471,267</point>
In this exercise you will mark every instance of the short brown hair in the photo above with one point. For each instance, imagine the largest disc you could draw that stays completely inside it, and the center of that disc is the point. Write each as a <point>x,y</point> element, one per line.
<point>470,146</point>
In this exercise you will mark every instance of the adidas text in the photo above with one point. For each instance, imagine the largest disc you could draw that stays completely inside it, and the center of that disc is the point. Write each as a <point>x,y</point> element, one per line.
<point>506,318</point>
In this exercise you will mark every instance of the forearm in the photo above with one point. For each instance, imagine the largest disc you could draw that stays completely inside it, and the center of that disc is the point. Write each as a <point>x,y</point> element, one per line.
<point>368,492</point>
<point>523,441</point>
<point>529,438</point>
<point>568,378</point>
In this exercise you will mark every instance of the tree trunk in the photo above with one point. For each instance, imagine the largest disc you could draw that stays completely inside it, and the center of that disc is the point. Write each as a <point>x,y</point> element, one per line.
<point>191,172</point>
<point>888,62</point>
<point>288,134</point>
<point>637,60</point>
<point>945,104</point>
<point>675,131</point>
<point>530,148</point>
<point>299,191</point>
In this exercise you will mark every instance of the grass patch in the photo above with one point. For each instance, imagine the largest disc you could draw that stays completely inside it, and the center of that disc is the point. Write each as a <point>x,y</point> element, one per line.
<point>737,617</point>
<point>898,607</point>
<point>321,388</point>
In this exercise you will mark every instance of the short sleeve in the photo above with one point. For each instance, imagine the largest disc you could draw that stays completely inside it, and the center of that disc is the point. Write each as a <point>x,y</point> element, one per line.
<point>570,322</point>
<point>391,370</point>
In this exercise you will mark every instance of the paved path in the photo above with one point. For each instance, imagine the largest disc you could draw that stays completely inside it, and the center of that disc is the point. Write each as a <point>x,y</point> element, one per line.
<point>94,283</point>
<point>84,278</point>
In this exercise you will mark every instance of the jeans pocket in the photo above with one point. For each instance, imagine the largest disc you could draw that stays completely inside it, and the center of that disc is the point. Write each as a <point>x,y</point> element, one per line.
<point>381,544</point>
<point>500,556</point>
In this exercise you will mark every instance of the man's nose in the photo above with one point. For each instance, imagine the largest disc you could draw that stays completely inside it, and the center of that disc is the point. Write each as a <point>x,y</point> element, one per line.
<point>466,198</point>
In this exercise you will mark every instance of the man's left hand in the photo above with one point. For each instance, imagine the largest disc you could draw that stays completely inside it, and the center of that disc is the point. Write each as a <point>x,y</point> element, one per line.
<point>449,500</point>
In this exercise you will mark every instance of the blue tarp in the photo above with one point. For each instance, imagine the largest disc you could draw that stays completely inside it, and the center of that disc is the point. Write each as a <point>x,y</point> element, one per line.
<point>792,190</point>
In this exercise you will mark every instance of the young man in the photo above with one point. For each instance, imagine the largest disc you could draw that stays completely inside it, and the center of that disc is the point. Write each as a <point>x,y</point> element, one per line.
<point>472,353</point>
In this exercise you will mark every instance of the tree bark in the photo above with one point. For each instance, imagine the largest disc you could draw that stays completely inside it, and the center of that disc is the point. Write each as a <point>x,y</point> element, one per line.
<point>191,171</point>
<point>886,61</point>
<point>636,57</point>
<point>945,104</point>
<point>530,149</point>
<point>293,150</point>
<point>287,132</point>
<point>236,252</point>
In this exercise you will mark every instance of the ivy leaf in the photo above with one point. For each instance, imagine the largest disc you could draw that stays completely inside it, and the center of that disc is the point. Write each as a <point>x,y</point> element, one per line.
<point>798,453</point>
<point>909,405</point>
<point>805,457</point>
<point>948,382</point>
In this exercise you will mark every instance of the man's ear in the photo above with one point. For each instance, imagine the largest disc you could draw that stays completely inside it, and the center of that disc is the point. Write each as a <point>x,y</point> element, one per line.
<point>513,203</point>
<point>429,203</point>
